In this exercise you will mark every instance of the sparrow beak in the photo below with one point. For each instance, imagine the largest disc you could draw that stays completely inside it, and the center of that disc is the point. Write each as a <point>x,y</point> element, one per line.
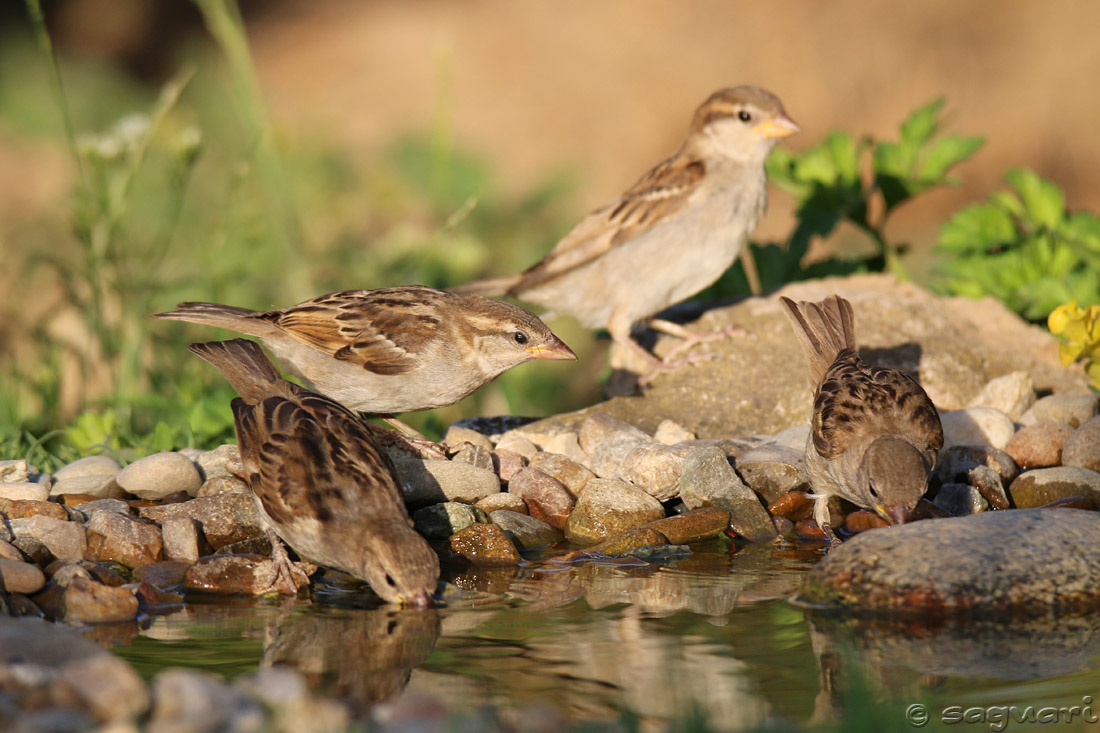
<point>779,126</point>
<point>423,599</point>
<point>554,348</point>
<point>894,514</point>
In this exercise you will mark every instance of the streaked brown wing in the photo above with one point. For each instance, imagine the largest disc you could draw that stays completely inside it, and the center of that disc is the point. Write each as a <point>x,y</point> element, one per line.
<point>855,400</point>
<point>657,195</point>
<point>381,330</point>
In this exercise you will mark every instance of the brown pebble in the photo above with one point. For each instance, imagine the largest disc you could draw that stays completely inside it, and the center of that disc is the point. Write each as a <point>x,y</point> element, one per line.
<point>698,524</point>
<point>485,545</point>
<point>863,520</point>
<point>1039,446</point>
<point>77,499</point>
<point>1072,502</point>
<point>507,464</point>
<point>90,602</point>
<point>546,498</point>
<point>808,528</point>
<point>794,505</point>
<point>631,539</point>
<point>23,508</point>
<point>164,574</point>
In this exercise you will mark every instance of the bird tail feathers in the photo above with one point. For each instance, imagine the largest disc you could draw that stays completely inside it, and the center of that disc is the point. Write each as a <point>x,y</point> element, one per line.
<point>824,329</point>
<point>221,316</point>
<point>244,364</point>
<point>492,286</point>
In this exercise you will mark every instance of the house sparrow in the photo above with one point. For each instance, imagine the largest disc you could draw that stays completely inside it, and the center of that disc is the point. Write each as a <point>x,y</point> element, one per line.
<point>670,235</point>
<point>321,481</point>
<point>875,434</point>
<point>391,350</point>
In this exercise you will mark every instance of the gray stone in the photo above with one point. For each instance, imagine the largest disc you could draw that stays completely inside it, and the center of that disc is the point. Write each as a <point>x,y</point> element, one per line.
<point>225,518</point>
<point>1012,393</point>
<point>15,471</point>
<point>989,484</point>
<point>601,429</point>
<point>527,533</point>
<point>772,470</point>
<point>89,466</point>
<point>226,484</point>
<point>503,500</point>
<point>65,540</point>
<point>610,460</point>
<point>440,521</point>
<point>607,507</point>
<point>654,468</point>
<point>670,432</point>
<point>118,506</point>
<point>568,444</point>
<point>959,499</point>
<point>1074,409</point>
<point>977,426</point>
<point>1031,561</point>
<point>183,539</point>
<point>155,477</point>
<point>572,475</point>
<point>517,442</point>
<point>192,701</point>
<point>431,482</point>
<point>1082,448</point>
<point>794,437</point>
<point>24,491</point>
<point>214,464</point>
<point>21,577</point>
<point>758,384</point>
<point>955,463</point>
<point>101,486</point>
<point>1044,485</point>
<point>709,480</point>
<point>474,455</point>
<point>457,435</point>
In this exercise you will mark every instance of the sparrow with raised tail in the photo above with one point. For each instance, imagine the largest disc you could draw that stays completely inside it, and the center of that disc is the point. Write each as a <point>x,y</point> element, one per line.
<point>875,434</point>
<point>672,234</point>
<point>321,481</point>
<point>391,350</point>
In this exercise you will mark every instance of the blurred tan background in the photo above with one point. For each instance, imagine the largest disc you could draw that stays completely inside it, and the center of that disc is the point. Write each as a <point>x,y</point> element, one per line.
<point>605,89</point>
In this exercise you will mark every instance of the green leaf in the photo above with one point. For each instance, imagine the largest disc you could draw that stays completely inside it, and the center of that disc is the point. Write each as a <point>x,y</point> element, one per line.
<point>921,125</point>
<point>947,152</point>
<point>1043,201</point>
<point>981,227</point>
<point>890,160</point>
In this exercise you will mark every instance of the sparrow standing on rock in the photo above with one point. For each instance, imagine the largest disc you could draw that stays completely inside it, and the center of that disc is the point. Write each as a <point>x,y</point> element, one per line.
<point>391,350</point>
<point>321,481</point>
<point>875,434</point>
<point>670,235</point>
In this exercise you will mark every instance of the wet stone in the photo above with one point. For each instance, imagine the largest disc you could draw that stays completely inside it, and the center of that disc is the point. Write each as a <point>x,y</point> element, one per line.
<point>960,499</point>
<point>485,545</point>
<point>983,426</point>
<point>65,574</point>
<point>258,545</point>
<point>773,470</point>
<point>955,463</point>
<point>23,491</point>
<point>629,541</point>
<point>183,539</point>
<point>96,486</point>
<point>87,601</point>
<point>191,701</point>
<point>547,498</point>
<point>23,509</point>
<point>64,539</point>
<point>21,577</point>
<point>1074,409</point>
<point>431,482</point>
<point>156,476</point>
<point>697,524</point>
<point>440,521</point>
<point>527,533</point>
<point>808,529</point>
<point>231,575</point>
<point>1012,393</point>
<point>474,455</point>
<point>225,518</point>
<point>655,468</point>
<point>572,475</point>
<point>965,564</point>
<point>989,484</point>
<point>607,507</point>
<point>507,464</point>
<point>1044,485</point>
<point>1083,446</point>
<point>457,435</point>
<point>124,539</point>
<point>793,505</point>
<point>163,574</point>
<point>709,480</point>
<point>862,520</point>
<point>1039,446</point>
<point>34,551</point>
<point>502,501</point>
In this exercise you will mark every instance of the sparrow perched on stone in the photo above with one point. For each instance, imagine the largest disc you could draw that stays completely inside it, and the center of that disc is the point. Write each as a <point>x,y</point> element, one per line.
<point>672,234</point>
<point>875,434</point>
<point>321,481</point>
<point>391,350</point>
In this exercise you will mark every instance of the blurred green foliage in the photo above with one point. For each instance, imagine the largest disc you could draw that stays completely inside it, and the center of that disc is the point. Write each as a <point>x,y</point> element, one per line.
<point>1022,247</point>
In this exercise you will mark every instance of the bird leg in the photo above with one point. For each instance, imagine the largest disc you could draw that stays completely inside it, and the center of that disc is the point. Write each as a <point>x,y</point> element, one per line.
<point>691,337</point>
<point>748,262</point>
<point>288,576</point>
<point>407,438</point>
<point>821,516</point>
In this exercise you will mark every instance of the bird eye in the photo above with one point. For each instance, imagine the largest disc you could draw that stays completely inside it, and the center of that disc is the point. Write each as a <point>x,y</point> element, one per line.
<point>744,116</point>
<point>390,581</point>
<point>520,337</point>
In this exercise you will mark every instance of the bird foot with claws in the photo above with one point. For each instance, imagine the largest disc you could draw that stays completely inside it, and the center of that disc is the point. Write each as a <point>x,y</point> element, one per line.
<point>289,577</point>
<point>408,439</point>
<point>691,338</point>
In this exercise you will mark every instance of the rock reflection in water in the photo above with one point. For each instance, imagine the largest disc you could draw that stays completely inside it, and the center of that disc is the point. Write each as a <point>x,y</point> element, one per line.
<point>363,656</point>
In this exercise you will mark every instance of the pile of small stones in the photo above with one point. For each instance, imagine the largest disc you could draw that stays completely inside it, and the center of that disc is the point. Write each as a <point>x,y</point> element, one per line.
<point>96,542</point>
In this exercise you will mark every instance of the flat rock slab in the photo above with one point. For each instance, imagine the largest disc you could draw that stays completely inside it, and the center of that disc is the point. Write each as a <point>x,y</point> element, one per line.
<point>1029,562</point>
<point>759,384</point>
